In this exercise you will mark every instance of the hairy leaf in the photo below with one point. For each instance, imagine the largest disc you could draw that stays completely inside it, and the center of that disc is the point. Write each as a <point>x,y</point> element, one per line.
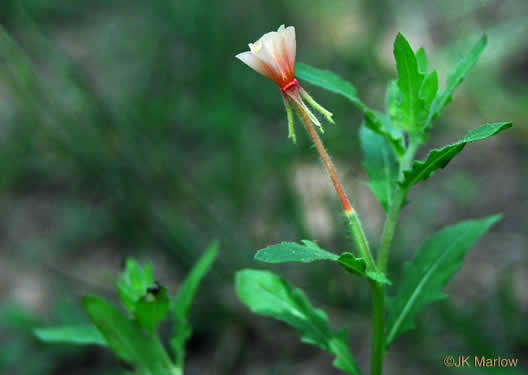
<point>455,78</point>
<point>82,334</point>
<point>267,294</point>
<point>381,166</point>
<point>439,158</point>
<point>287,252</point>
<point>126,338</point>
<point>429,272</point>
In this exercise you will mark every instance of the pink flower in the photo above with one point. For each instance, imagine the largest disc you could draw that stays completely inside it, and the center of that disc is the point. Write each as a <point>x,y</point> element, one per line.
<point>273,56</point>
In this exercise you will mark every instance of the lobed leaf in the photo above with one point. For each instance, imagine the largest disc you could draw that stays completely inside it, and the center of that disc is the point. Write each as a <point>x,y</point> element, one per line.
<point>412,110</point>
<point>439,158</point>
<point>126,338</point>
<point>133,283</point>
<point>82,334</point>
<point>267,294</point>
<point>429,272</point>
<point>287,252</point>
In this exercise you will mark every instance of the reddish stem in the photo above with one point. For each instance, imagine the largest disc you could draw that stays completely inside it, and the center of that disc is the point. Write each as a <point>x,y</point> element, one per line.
<point>347,207</point>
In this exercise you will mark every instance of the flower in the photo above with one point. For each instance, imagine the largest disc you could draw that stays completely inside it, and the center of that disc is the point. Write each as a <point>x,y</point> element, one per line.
<point>273,56</point>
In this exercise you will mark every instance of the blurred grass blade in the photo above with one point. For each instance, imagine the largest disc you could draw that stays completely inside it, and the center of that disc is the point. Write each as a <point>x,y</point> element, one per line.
<point>267,294</point>
<point>126,338</point>
<point>455,78</point>
<point>439,158</point>
<point>85,334</point>
<point>428,273</point>
<point>287,252</point>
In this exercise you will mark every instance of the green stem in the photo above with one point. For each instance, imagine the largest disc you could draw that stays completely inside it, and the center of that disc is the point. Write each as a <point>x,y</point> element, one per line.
<point>388,230</point>
<point>378,333</point>
<point>360,240</point>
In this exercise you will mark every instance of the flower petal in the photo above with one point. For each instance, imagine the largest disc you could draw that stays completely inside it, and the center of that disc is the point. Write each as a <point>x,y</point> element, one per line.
<point>255,63</point>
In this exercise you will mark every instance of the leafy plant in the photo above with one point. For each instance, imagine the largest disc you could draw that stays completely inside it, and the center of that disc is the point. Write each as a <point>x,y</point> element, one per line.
<point>133,336</point>
<point>389,142</point>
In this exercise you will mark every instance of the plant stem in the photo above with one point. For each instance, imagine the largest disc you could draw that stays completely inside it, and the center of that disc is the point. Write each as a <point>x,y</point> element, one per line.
<point>389,229</point>
<point>351,215</point>
<point>378,328</point>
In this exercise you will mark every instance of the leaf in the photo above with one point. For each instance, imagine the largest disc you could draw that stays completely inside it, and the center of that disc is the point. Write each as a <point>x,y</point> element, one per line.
<point>182,303</point>
<point>85,334</point>
<point>337,85</point>
<point>412,107</point>
<point>421,59</point>
<point>286,252</point>
<point>381,165</point>
<point>267,294</point>
<point>152,308</point>
<point>439,158</point>
<point>429,272</point>
<point>133,283</point>
<point>126,338</point>
<point>455,78</point>
<point>327,80</point>
<point>358,267</point>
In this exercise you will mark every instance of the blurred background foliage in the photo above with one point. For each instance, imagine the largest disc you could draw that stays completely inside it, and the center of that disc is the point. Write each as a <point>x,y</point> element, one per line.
<point>127,128</point>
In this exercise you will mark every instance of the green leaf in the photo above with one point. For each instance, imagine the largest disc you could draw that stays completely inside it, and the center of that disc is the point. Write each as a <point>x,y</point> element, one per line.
<point>421,59</point>
<point>429,88</point>
<point>381,166</point>
<point>152,308</point>
<point>267,294</point>
<point>327,80</point>
<point>358,267</point>
<point>182,303</point>
<point>126,338</point>
<point>336,84</point>
<point>455,78</point>
<point>439,158</point>
<point>133,283</point>
<point>286,252</point>
<point>85,334</point>
<point>412,111</point>
<point>429,272</point>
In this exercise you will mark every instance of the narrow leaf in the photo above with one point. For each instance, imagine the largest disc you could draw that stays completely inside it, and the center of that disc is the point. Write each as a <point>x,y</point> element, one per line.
<point>126,338</point>
<point>439,158</point>
<point>267,294</point>
<point>381,166</point>
<point>428,273</point>
<point>182,303</point>
<point>85,334</point>
<point>455,78</point>
<point>327,80</point>
<point>421,59</point>
<point>332,82</point>
<point>287,252</point>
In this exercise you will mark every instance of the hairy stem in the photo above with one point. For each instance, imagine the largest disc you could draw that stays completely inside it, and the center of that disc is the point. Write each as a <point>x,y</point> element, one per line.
<point>351,215</point>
